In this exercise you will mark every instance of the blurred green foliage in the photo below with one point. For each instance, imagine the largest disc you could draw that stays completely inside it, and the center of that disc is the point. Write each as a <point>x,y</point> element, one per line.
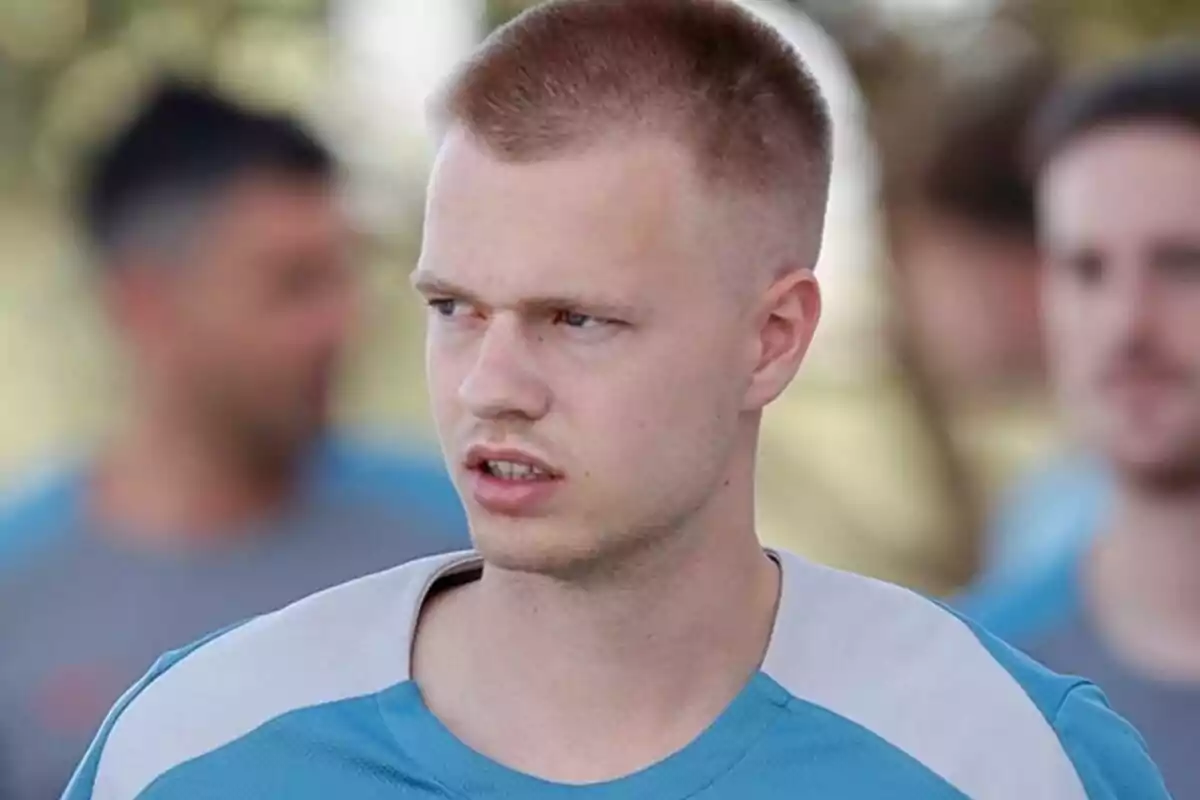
<point>1096,30</point>
<point>70,68</point>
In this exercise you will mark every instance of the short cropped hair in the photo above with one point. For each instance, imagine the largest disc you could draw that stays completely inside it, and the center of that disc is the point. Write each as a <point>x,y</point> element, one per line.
<point>708,74</point>
<point>178,153</point>
<point>1162,88</point>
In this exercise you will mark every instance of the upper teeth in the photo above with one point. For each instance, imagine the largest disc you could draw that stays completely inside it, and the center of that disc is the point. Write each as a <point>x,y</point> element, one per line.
<point>513,470</point>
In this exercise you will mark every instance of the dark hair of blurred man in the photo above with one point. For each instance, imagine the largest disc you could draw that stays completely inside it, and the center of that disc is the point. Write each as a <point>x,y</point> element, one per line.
<point>1118,160</point>
<point>224,266</point>
<point>961,214</point>
<point>226,269</point>
<point>964,232</point>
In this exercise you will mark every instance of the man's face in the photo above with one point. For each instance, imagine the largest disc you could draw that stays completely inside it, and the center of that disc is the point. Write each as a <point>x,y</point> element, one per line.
<point>1121,219</point>
<point>588,362</point>
<point>973,301</point>
<point>249,330</point>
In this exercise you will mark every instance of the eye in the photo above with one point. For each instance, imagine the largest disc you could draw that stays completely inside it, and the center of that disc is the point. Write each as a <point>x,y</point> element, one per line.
<point>1179,261</point>
<point>447,307</point>
<point>1087,268</point>
<point>574,319</point>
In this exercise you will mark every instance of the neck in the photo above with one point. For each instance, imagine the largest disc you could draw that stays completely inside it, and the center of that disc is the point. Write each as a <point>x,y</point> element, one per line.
<point>1144,580</point>
<point>655,628</point>
<point>166,478</point>
<point>582,683</point>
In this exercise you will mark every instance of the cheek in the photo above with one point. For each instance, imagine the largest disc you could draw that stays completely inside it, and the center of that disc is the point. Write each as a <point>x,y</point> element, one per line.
<point>1182,318</point>
<point>270,347</point>
<point>654,416</point>
<point>1069,318</point>
<point>444,373</point>
<point>1074,360</point>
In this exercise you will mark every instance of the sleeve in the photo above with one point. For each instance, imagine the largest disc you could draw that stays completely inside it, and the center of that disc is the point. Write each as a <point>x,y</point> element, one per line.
<point>83,783</point>
<point>1108,753</point>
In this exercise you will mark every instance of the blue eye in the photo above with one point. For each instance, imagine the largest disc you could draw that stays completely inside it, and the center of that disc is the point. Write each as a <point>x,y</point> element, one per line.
<point>445,307</point>
<point>573,319</point>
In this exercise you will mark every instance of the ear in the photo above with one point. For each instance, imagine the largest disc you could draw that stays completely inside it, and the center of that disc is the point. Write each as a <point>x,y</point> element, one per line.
<point>785,323</point>
<point>136,300</point>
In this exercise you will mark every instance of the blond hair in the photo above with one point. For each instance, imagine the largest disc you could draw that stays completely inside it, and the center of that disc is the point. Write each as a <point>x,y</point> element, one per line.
<point>706,73</point>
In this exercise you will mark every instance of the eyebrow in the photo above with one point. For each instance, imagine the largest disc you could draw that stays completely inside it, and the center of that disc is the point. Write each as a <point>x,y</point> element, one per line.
<point>1175,248</point>
<point>431,285</point>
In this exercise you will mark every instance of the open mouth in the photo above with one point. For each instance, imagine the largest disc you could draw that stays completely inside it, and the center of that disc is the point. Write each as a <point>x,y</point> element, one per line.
<point>509,465</point>
<point>512,470</point>
<point>511,482</point>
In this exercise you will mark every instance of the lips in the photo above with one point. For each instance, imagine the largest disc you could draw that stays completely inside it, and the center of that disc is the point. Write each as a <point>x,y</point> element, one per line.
<point>510,481</point>
<point>510,463</point>
<point>513,470</point>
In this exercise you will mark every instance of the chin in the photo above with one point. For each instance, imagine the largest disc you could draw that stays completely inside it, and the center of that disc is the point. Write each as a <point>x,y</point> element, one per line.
<point>538,547</point>
<point>1159,470</point>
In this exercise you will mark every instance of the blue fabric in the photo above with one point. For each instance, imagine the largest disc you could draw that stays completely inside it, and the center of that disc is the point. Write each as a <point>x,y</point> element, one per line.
<point>1110,758</point>
<point>1109,754</point>
<point>85,776</point>
<point>1021,609</point>
<point>83,613</point>
<point>33,515</point>
<point>1040,534</point>
<point>1051,511</point>
<point>347,467</point>
<point>770,743</point>
<point>767,745</point>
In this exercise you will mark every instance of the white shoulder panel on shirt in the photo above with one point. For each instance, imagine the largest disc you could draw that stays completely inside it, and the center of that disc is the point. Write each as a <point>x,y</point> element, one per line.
<point>915,675</point>
<point>349,641</point>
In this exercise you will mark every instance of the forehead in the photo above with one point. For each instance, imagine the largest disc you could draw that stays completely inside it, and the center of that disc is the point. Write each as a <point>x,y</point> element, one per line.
<point>617,215</point>
<point>271,205</point>
<point>1125,183</point>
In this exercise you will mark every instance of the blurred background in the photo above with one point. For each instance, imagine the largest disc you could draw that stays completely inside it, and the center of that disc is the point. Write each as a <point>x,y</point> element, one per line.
<point>924,396</point>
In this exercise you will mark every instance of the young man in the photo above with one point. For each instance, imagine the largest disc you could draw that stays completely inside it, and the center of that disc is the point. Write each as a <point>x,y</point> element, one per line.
<point>622,221</point>
<point>1119,164</point>
<point>225,267</point>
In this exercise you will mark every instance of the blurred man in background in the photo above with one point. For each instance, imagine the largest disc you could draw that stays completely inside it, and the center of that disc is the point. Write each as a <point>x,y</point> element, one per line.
<point>956,404</point>
<point>1119,164</point>
<point>962,224</point>
<point>967,266</point>
<point>963,231</point>
<point>225,266</point>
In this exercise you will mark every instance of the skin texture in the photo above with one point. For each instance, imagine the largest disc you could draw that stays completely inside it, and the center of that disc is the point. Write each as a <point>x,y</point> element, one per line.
<point>1121,211</point>
<point>235,332</point>
<point>611,317</point>
<point>1121,214</point>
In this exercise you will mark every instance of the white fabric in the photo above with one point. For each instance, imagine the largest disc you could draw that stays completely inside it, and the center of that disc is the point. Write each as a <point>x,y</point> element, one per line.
<point>915,675</point>
<point>349,641</point>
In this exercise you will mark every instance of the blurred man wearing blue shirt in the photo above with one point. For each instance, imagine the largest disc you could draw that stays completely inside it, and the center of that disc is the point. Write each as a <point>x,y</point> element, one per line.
<point>1119,185</point>
<point>224,264</point>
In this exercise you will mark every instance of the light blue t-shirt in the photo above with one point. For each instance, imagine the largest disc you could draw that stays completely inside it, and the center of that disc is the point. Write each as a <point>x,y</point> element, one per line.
<point>866,691</point>
<point>82,615</point>
<point>1052,510</point>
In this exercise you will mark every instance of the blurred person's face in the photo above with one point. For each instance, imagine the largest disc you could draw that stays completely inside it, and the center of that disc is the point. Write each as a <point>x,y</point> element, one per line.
<point>595,374</point>
<point>1121,219</point>
<point>972,301</point>
<point>248,329</point>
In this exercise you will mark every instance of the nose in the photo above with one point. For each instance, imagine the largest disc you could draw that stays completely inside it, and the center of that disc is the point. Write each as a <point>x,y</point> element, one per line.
<point>333,318</point>
<point>503,381</point>
<point>1131,306</point>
